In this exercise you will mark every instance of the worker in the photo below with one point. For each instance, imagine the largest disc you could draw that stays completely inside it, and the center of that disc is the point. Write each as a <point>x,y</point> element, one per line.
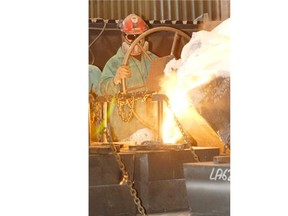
<point>94,78</point>
<point>135,73</point>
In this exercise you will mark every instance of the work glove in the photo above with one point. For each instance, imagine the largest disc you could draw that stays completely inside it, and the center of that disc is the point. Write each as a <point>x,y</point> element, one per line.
<point>122,72</point>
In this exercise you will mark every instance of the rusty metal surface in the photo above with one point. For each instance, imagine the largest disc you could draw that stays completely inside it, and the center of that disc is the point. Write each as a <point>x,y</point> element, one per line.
<point>157,146</point>
<point>208,188</point>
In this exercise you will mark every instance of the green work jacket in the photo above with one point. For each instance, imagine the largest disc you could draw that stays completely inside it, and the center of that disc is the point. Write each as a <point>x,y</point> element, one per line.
<point>144,109</point>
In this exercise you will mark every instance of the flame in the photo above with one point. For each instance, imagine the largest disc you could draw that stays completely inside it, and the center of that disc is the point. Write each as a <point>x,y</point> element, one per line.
<point>180,104</point>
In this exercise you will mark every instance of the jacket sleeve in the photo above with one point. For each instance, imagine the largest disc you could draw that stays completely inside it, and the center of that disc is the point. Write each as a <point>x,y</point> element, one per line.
<point>94,78</point>
<point>107,86</point>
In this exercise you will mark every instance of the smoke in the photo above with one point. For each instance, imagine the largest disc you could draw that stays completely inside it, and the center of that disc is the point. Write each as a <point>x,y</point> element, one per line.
<point>205,57</point>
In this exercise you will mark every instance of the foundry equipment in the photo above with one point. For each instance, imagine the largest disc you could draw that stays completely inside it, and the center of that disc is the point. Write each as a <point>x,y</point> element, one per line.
<point>152,177</point>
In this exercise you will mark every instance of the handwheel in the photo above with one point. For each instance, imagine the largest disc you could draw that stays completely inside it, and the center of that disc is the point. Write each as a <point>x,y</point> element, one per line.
<point>143,35</point>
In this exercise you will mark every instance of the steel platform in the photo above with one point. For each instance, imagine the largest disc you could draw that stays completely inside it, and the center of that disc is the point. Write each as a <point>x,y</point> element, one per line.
<point>158,178</point>
<point>208,188</point>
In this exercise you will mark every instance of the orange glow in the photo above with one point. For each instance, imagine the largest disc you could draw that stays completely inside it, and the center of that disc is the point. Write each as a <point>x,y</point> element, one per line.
<point>205,57</point>
<point>180,104</point>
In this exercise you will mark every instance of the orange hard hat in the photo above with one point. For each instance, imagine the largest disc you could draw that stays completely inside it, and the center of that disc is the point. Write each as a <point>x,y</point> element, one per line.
<point>133,24</point>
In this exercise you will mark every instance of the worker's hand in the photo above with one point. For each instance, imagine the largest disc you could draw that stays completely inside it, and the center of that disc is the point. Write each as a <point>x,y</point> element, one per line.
<point>122,72</point>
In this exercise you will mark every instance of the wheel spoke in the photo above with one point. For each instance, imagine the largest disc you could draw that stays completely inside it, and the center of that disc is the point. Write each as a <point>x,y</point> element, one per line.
<point>145,52</point>
<point>175,39</point>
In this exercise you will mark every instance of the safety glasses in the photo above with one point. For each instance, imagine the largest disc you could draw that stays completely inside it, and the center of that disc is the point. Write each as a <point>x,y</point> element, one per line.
<point>132,37</point>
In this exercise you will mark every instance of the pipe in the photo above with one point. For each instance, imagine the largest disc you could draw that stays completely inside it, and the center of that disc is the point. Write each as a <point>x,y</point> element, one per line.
<point>105,119</point>
<point>160,121</point>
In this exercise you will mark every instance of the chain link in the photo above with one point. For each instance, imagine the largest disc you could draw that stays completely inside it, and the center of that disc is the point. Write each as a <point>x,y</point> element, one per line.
<point>126,104</point>
<point>94,107</point>
<point>125,178</point>
<point>126,117</point>
<point>96,115</point>
<point>185,137</point>
<point>122,103</point>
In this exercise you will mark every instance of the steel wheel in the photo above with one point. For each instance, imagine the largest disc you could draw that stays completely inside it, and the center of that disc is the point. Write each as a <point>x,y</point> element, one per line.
<point>177,34</point>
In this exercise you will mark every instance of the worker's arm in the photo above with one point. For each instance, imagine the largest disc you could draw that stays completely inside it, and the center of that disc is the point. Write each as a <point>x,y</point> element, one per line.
<point>107,85</point>
<point>94,78</point>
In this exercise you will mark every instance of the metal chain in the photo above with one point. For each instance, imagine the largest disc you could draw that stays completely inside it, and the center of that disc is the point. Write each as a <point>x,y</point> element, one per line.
<point>130,102</point>
<point>95,112</point>
<point>125,178</point>
<point>121,103</point>
<point>92,107</point>
<point>226,146</point>
<point>95,107</point>
<point>186,139</point>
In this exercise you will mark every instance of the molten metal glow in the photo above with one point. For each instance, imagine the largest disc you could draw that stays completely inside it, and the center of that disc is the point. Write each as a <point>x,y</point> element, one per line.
<point>206,56</point>
<point>180,104</point>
